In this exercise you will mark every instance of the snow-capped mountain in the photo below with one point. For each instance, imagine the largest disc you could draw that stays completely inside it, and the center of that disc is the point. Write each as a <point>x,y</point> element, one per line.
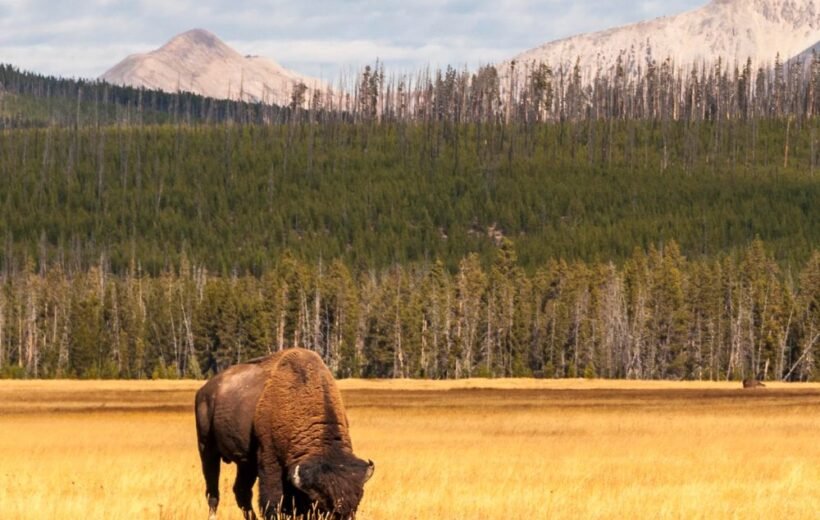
<point>732,29</point>
<point>199,62</point>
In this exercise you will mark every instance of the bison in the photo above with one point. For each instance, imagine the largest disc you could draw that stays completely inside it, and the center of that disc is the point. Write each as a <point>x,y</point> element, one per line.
<point>280,418</point>
<point>752,383</point>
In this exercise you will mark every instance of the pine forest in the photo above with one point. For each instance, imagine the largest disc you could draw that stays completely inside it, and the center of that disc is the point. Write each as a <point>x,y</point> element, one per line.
<point>658,223</point>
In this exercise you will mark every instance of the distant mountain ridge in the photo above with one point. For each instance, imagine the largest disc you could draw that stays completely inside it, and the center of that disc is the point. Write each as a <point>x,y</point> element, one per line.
<point>198,61</point>
<point>734,30</point>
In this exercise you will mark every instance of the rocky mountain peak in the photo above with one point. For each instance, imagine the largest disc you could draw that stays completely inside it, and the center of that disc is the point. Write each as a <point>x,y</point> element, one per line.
<point>198,61</point>
<point>734,30</point>
<point>198,37</point>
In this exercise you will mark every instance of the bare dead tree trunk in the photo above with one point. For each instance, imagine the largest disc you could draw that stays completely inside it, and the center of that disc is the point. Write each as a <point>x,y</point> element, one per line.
<point>805,356</point>
<point>459,336</point>
<point>2,330</point>
<point>62,351</point>
<point>786,148</point>
<point>635,366</point>
<point>299,331</point>
<point>758,344</point>
<point>175,336</point>
<point>423,355</point>
<point>781,358</point>
<point>280,332</point>
<point>488,341</point>
<point>398,358</point>
<point>31,336</point>
<point>189,335</point>
<point>115,326</point>
<point>316,336</point>
<point>20,337</point>
<point>336,338</point>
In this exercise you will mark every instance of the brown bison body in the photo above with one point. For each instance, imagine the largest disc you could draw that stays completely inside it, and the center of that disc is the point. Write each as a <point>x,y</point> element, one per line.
<point>752,383</point>
<point>280,419</point>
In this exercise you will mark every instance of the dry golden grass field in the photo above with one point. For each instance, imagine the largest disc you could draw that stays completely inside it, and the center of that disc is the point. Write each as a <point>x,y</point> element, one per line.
<point>451,450</point>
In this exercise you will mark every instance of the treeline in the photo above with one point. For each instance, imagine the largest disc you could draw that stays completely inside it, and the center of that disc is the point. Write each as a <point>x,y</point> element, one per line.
<point>32,100</point>
<point>234,196</point>
<point>659,316</point>
<point>634,88</point>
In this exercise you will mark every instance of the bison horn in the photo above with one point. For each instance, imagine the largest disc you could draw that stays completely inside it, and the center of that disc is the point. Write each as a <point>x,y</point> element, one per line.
<point>295,477</point>
<point>370,468</point>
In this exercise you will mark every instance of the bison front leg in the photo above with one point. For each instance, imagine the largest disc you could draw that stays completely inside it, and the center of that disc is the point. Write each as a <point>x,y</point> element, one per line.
<point>270,484</point>
<point>243,488</point>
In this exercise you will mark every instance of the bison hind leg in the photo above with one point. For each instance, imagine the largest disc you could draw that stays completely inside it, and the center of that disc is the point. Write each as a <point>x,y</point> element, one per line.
<point>210,470</point>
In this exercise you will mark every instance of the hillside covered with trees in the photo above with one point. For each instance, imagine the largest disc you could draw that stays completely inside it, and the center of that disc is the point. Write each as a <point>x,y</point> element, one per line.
<point>450,224</point>
<point>32,100</point>
<point>233,197</point>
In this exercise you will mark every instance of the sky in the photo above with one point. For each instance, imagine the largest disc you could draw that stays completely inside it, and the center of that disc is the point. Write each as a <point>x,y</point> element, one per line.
<point>321,38</point>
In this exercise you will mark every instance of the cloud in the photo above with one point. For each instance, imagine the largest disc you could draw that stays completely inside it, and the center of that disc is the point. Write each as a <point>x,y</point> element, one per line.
<point>328,58</point>
<point>321,37</point>
<point>75,61</point>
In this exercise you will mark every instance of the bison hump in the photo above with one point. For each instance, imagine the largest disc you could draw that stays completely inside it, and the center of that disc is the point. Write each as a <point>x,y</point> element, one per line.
<point>300,412</point>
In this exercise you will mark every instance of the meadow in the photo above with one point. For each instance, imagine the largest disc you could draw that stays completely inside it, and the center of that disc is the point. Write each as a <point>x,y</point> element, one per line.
<point>476,449</point>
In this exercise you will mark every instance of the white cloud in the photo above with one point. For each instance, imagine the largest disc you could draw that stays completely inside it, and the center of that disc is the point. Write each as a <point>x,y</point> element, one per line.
<point>320,37</point>
<point>80,61</point>
<point>327,58</point>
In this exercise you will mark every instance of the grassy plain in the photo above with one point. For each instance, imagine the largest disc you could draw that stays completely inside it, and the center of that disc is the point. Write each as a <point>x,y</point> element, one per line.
<point>475,449</point>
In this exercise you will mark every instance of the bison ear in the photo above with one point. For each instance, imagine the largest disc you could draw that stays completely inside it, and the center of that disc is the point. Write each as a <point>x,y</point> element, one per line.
<point>370,468</point>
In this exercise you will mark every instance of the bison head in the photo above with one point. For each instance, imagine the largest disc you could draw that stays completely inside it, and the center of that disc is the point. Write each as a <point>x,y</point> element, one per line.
<point>334,485</point>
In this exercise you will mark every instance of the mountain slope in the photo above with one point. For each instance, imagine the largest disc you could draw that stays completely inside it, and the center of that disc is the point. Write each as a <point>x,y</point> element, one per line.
<point>808,54</point>
<point>199,62</point>
<point>732,29</point>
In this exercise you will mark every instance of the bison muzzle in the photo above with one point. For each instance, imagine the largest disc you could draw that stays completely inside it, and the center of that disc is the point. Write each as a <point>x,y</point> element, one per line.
<point>281,420</point>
